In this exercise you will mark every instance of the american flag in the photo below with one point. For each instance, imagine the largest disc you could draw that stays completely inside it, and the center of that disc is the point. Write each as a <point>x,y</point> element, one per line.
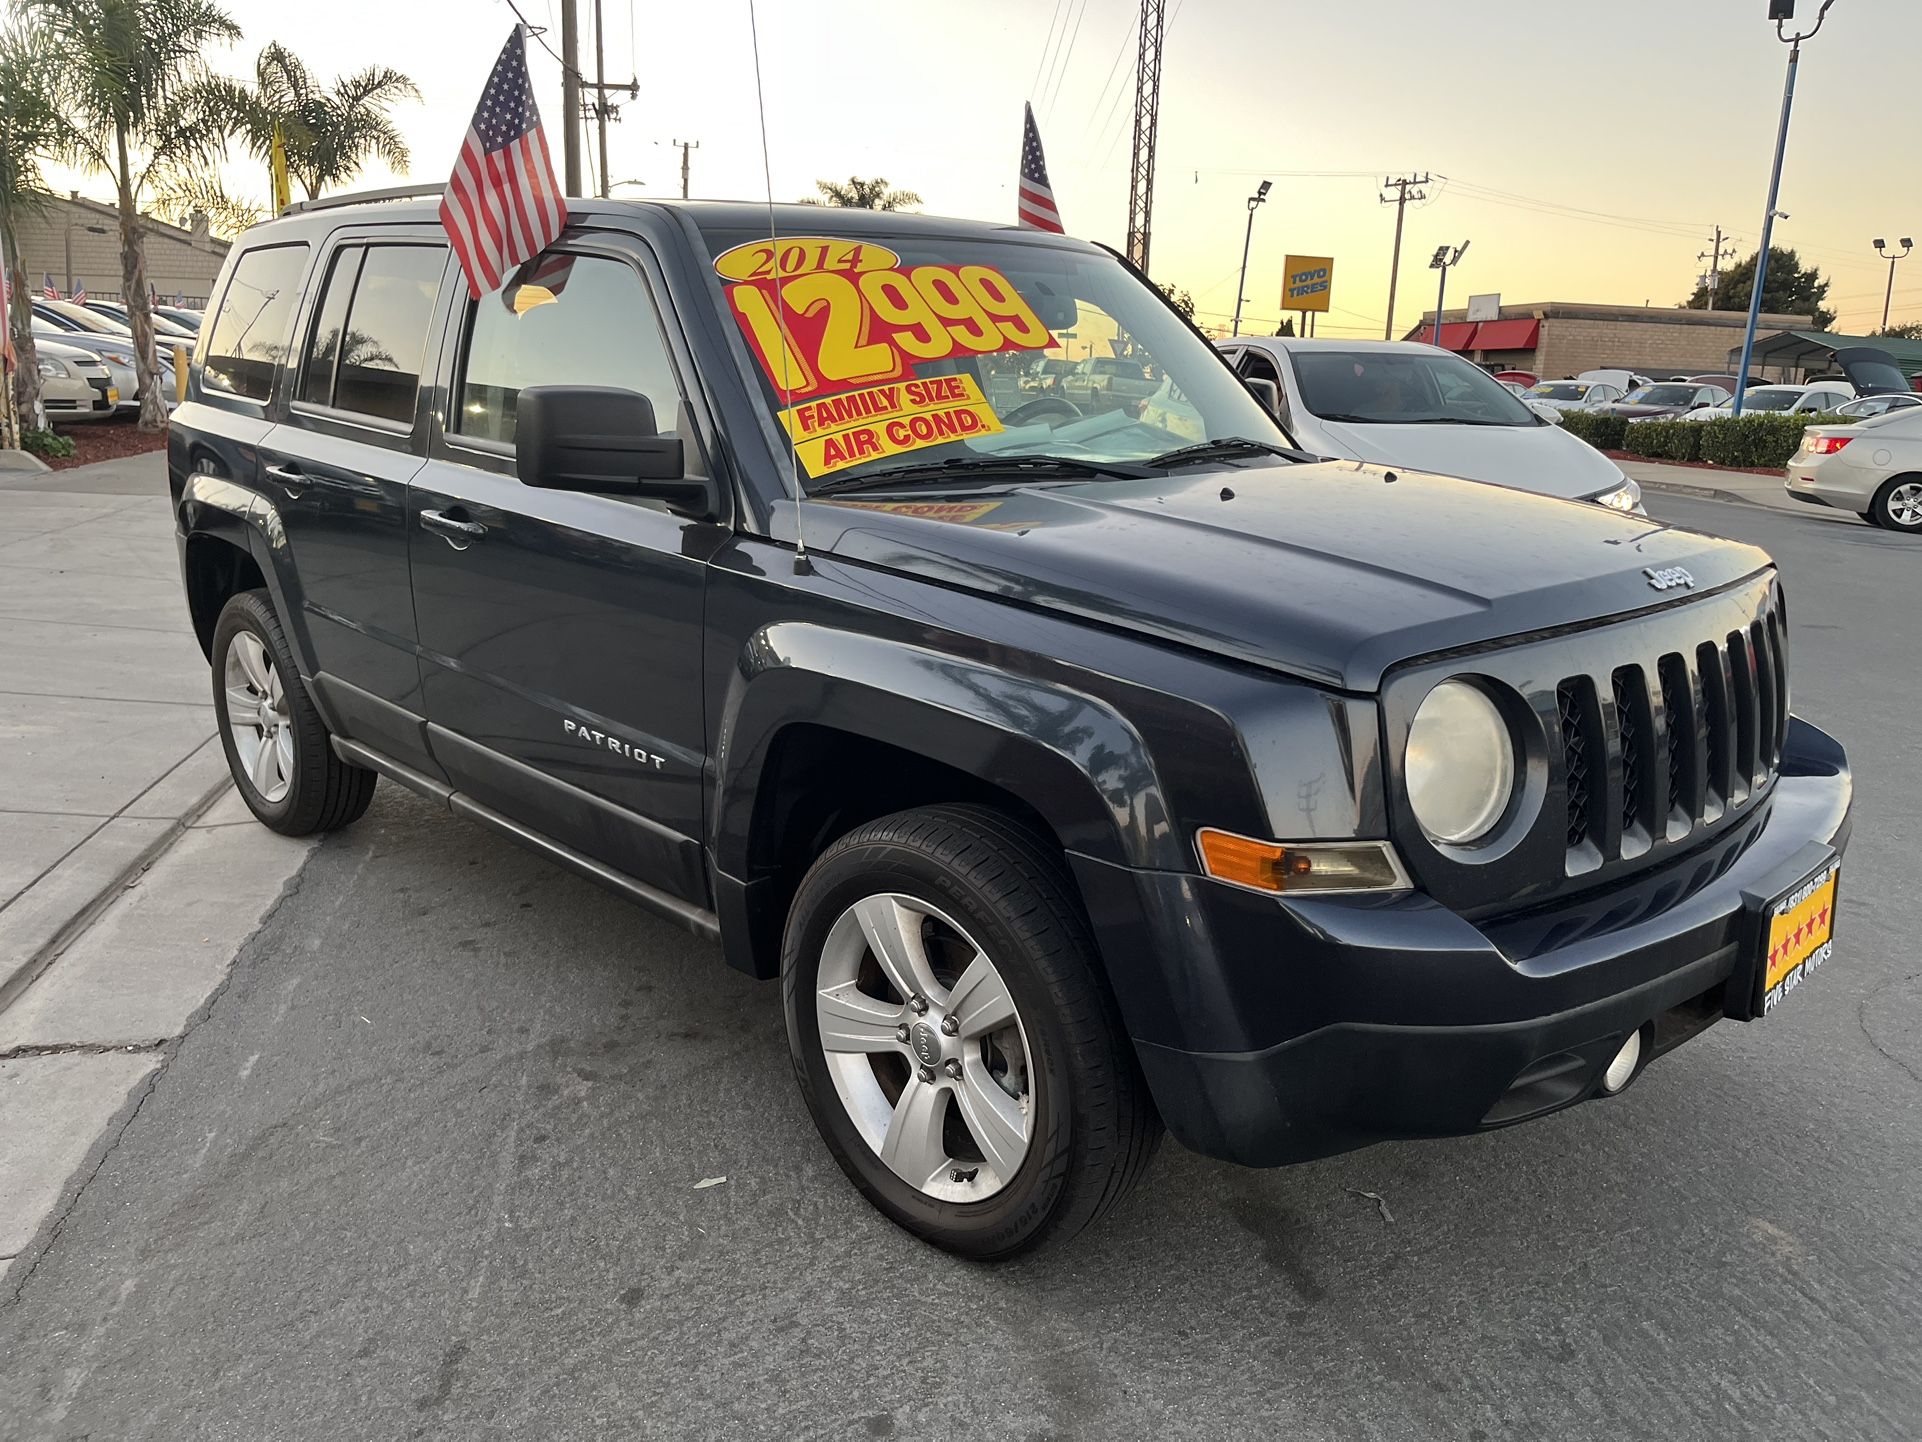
<point>79,292</point>
<point>49,290</point>
<point>503,203</point>
<point>1035,208</point>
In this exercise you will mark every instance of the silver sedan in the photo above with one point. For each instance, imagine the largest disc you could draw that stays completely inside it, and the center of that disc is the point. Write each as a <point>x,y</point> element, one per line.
<point>1872,467</point>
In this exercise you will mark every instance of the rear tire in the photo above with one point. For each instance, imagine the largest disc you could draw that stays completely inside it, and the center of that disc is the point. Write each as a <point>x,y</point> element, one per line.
<point>1013,1112</point>
<point>277,746</point>
<point>1898,505</point>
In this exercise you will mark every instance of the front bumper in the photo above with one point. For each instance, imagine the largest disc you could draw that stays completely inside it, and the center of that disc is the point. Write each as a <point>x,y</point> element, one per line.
<point>1350,1020</point>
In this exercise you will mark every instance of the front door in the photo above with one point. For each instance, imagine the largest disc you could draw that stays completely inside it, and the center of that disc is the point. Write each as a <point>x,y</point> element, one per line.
<point>560,632</point>
<point>337,468</point>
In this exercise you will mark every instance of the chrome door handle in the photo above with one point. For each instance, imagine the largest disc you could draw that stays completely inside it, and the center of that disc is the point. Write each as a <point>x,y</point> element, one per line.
<point>451,526</point>
<point>291,481</point>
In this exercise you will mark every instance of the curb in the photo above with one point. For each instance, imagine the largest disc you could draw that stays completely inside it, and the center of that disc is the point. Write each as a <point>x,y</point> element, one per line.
<point>89,912</point>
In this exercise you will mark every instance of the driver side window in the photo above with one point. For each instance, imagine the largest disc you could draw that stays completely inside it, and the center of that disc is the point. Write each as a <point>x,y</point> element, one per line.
<point>572,320</point>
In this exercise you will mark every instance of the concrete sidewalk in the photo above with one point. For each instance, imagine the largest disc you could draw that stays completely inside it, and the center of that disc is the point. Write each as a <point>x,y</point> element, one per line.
<point>126,883</point>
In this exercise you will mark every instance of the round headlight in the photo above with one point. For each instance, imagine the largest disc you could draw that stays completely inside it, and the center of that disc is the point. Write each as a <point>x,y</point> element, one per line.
<point>1460,764</point>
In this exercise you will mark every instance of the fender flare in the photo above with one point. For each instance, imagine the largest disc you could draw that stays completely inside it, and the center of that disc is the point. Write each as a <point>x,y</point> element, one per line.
<point>225,510</point>
<point>1071,756</point>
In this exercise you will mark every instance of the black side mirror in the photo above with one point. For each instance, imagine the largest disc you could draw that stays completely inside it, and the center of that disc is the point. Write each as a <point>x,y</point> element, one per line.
<point>1267,392</point>
<point>601,439</point>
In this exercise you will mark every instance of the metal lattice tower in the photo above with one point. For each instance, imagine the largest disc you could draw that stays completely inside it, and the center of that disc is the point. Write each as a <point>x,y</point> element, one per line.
<point>1141,171</point>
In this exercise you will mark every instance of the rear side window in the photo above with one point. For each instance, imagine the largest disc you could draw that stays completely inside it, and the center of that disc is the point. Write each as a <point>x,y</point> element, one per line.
<point>370,332</point>
<point>250,334</point>
<point>577,320</point>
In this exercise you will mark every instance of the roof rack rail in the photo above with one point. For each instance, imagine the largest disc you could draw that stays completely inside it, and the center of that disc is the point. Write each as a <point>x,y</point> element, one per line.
<point>357,197</point>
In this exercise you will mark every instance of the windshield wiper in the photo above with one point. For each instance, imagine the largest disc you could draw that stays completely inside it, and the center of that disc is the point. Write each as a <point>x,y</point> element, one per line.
<point>1226,447</point>
<point>978,467</point>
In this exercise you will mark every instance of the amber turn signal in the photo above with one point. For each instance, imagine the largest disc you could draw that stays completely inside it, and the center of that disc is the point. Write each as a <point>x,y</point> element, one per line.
<point>1276,866</point>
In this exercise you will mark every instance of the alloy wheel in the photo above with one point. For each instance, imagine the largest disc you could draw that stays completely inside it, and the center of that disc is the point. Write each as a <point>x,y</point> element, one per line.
<point>1905,505</point>
<point>257,717</point>
<point>925,1047</point>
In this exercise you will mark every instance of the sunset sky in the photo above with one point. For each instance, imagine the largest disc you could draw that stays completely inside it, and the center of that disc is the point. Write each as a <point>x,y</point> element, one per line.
<point>1586,150</point>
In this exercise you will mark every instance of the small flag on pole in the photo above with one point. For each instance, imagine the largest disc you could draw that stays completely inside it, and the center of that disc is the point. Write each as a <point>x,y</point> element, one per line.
<point>49,290</point>
<point>79,292</point>
<point>503,204</point>
<point>1035,208</point>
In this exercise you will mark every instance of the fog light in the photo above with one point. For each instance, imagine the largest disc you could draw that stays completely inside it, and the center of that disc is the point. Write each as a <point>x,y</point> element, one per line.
<point>1623,1066</point>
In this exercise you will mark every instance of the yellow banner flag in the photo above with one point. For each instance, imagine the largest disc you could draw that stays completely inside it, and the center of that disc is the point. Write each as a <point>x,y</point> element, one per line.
<point>277,163</point>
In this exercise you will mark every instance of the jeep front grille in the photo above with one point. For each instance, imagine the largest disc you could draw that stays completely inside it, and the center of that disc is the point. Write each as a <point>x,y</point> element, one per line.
<point>1717,732</point>
<point>1641,739</point>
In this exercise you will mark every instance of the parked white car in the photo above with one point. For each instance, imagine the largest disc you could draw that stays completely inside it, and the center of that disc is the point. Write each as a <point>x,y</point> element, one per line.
<point>1407,404</point>
<point>1872,467</point>
<point>1574,395</point>
<point>1863,408</point>
<point>1783,400</point>
<point>74,385</point>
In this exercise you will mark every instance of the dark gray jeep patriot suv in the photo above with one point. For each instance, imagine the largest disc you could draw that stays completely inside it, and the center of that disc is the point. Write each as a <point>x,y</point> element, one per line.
<point>1079,771</point>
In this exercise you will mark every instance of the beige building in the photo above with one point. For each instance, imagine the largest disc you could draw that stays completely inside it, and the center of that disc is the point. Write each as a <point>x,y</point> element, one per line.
<point>76,240</point>
<point>1554,339</point>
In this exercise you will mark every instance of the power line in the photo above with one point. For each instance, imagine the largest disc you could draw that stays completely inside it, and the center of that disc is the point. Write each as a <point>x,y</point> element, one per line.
<point>1046,46</point>
<point>1065,53</point>
<point>539,33</point>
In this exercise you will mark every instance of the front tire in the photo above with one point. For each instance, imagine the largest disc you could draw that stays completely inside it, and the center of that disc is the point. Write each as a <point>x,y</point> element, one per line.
<point>1898,505</point>
<point>952,1035</point>
<point>276,744</point>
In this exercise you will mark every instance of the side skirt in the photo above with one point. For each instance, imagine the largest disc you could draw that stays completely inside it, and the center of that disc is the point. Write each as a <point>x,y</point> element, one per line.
<point>700,922</point>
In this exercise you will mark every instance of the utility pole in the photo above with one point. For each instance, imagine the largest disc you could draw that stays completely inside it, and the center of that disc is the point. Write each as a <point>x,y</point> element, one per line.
<point>1715,255</point>
<point>1254,200</point>
<point>1780,11</point>
<point>1441,262</point>
<point>600,92</point>
<point>1141,166</point>
<point>686,146</point>
<point>570,98</point>
<point>1889,298</point>
<point>1400,184</point>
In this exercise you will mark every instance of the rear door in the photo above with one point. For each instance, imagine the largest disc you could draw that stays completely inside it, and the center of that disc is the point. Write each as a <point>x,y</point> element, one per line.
<point>561,632</point>
<point>338,467</point>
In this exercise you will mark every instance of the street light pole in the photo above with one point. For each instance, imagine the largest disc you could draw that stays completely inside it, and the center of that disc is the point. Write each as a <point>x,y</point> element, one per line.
<point>1261,194</point>
<point>1889,298</point>
<point>1779,11</point>
<point>1441,262</point>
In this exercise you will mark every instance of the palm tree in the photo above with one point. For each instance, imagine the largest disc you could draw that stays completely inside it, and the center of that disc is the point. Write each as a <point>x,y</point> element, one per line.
<point>862,194</point>
<point>329,132</point>
<point>30,130</point>
<point>140,106</point>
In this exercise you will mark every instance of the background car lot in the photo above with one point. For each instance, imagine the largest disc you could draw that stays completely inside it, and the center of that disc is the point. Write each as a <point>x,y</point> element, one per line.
<point>429,1163</point>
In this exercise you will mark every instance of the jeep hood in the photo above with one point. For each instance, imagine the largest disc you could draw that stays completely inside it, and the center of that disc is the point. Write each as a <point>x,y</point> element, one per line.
<point>1333,571</point>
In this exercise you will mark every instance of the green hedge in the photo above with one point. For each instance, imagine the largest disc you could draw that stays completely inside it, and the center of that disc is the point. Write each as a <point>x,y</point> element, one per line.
<point>1605,433</point>
<point>1763,439</point>
<point>1666,440</point>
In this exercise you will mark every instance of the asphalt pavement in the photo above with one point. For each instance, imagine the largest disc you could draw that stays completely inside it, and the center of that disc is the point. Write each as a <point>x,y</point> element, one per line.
<point>428,1167</point>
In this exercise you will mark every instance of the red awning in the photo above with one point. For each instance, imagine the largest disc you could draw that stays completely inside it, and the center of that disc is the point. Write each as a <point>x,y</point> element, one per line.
<point>1503,335</point>
<point>1455,335</point>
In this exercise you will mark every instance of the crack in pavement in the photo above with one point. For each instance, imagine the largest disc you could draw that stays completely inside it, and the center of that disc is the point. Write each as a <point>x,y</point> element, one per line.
<point>79,1048</point>
<point>1862,1022</point>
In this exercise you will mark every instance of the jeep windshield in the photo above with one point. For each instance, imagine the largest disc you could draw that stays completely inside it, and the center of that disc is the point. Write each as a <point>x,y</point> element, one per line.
<point>907,346</point>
